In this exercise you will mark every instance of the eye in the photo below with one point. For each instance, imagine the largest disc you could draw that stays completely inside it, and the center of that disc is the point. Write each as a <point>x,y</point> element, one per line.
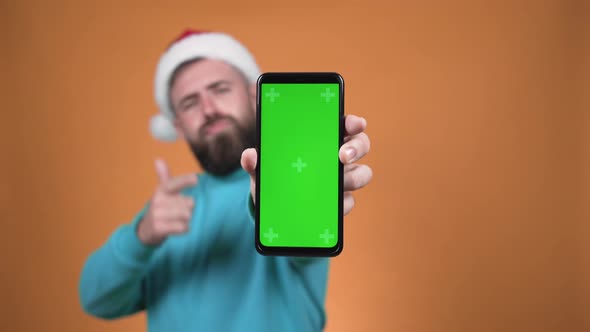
<point>222,90</point>
<point>188,104</point>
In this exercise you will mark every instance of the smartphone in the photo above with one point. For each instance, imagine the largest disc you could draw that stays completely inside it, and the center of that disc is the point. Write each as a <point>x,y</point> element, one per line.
<point>300,129</point>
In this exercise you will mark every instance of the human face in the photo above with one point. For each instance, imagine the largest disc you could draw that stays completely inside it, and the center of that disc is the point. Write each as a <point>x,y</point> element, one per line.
<point>215,113</point>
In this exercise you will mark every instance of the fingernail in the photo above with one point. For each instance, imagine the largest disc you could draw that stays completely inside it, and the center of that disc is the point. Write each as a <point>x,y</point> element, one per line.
<point>350,153</point>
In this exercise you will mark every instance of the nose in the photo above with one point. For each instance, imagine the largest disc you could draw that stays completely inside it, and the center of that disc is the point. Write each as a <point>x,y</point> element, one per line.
<point>208,106</point>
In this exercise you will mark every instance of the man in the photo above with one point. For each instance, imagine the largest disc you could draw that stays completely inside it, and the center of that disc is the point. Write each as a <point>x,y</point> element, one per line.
<point>188,256</point>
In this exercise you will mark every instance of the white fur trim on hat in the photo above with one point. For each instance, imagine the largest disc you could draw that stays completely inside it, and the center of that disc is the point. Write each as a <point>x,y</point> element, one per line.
<point>213,45</point>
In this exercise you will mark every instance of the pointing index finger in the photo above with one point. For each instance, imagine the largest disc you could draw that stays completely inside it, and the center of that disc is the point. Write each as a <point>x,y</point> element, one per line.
<point>162,170</point>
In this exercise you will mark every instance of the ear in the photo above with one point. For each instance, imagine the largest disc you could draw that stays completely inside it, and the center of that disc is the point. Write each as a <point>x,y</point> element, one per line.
<point>252,93</point>
<point>178,127</point>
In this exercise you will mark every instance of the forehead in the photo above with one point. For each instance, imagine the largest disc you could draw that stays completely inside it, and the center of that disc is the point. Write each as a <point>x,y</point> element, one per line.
<point>201,73</point>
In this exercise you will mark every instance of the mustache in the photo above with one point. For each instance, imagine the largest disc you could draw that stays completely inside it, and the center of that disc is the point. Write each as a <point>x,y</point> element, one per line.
<point>214,120</point>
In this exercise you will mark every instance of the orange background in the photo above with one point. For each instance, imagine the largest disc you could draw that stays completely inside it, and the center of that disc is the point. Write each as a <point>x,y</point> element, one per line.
<point>477,216</point>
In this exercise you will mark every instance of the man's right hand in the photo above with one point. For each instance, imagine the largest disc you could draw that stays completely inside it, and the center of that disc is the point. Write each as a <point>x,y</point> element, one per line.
<point>169,211</point>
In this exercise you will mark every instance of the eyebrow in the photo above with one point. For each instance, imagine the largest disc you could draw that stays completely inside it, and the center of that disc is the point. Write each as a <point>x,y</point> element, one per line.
<point>195,95</point>
<point>217,84</point>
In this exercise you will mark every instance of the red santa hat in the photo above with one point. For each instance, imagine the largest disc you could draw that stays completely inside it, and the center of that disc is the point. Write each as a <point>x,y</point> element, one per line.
<point>189,45</point>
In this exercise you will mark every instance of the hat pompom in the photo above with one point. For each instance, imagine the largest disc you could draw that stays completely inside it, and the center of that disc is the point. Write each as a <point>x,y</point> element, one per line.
<point>162,128</point>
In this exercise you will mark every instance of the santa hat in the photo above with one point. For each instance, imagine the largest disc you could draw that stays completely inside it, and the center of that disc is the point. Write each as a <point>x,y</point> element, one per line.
<point>190,45</point>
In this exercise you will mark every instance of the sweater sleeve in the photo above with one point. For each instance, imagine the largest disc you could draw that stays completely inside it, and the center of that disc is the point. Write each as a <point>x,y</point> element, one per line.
<point>297,262</point>
<point>111,282</point>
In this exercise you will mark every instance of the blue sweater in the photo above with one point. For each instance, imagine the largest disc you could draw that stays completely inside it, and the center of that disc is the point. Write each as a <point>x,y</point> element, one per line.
<point>209,279</point>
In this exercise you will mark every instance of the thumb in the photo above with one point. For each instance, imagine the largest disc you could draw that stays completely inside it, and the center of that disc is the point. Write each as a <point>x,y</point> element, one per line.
<point>162,170</point>
<point>249,161</point>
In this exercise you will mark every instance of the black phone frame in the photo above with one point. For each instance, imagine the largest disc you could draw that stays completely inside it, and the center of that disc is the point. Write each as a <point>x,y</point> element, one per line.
<point>300,77</point>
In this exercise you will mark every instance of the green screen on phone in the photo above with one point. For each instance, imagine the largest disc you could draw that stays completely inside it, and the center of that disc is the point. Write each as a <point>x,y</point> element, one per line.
<point>299,178</point>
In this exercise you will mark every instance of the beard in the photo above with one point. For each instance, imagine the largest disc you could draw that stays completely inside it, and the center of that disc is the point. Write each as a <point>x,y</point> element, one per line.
<point>220,153</point>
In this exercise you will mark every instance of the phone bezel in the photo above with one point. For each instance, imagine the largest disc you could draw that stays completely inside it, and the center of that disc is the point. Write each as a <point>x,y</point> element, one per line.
<point>300,77</point>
